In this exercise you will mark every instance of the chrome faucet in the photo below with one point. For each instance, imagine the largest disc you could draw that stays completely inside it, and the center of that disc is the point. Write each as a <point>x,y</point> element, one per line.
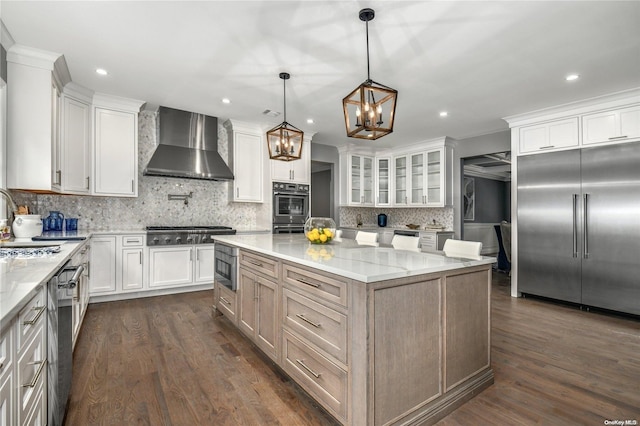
<point>11,205</point>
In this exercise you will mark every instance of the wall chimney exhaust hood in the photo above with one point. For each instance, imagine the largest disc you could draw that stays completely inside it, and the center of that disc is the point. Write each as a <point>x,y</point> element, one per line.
<point>188,147</point>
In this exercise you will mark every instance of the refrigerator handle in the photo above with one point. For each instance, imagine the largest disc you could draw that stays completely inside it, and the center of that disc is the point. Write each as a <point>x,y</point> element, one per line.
<point>585,234</point>
<point>575,225</point>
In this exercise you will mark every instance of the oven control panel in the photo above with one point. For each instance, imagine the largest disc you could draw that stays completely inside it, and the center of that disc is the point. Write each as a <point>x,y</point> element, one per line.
<point>286,187</point>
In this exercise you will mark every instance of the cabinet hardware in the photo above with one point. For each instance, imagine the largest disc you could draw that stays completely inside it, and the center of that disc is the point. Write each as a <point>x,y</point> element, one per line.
<point>303,318</point>
<point>308,283</point>
<point>575,225</point>
<point>35,319</point>
<point>36,376</point>
<point>237,192</point>
<point>132,185</point>
<point>547,147</point>
<point>190,255</point>
<point>140,256</point>
<point>258,264</point>
<point>586,225</point>
<point>88,180</point>
<point>225,300</point>
<point>58,177</point>
<point>197,255</point>
<point>301,362</point>
<point>1,366</point>
<point>618,137</point>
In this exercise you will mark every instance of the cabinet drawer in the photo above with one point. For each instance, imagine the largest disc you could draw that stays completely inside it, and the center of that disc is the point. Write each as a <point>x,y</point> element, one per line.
<point>30,317</point>
<point>132,240</point>
<point>322,326</point>
<point>38,415</point>
<point>259,264</point>
<point>226,302</point>
<point>32,372</point>
<point>317,375</point>
<point>6,349</point>
<point>327,287</point>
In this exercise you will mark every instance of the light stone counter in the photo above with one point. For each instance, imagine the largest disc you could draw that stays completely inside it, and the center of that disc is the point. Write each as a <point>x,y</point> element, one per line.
<point>348,259</point>
<point>20,278</point>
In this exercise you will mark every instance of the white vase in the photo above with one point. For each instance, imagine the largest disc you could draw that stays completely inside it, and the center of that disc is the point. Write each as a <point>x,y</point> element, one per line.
<point>27,226</point>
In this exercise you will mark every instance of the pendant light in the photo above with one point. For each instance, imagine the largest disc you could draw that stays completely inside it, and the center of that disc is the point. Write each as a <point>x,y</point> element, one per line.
<point>369,110</point>
<point>285,141</point>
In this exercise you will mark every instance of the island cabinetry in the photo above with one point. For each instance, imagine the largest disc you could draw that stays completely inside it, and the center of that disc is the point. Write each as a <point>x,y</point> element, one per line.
<point>258,292</point>
<point>327,287</point>
<point>226,302</point>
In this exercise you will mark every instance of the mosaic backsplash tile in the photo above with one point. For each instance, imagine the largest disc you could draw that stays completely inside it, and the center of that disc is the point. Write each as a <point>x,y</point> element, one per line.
<point>397,217</point>
<point>208,205</point>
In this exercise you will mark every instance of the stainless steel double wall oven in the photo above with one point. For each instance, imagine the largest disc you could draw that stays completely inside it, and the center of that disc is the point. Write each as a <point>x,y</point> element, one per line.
<point>290,207</point>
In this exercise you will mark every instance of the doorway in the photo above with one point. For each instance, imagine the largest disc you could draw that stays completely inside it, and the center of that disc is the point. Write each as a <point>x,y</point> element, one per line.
<point>322,190</point>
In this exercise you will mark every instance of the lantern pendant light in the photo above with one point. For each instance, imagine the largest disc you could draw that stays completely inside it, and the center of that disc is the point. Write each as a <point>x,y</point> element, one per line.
<point>369,110</point>
<point>284,141</point>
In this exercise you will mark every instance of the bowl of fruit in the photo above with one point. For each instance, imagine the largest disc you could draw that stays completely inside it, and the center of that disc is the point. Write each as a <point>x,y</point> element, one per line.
<point>320,230</point>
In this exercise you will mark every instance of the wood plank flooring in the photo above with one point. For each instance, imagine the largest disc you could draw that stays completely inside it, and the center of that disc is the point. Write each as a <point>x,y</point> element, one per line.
<point>168,361</point>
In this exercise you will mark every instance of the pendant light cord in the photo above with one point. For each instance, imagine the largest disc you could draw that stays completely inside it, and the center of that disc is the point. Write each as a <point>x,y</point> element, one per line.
<point>368,71</point>
<point>284,93</point>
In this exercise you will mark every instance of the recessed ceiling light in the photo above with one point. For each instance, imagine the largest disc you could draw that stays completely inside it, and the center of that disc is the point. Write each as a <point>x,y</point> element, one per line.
<point>226,100</point>
<point>309,120</point>
<point>572,77</point>
<point>101,71</point>
<point>444,114</point>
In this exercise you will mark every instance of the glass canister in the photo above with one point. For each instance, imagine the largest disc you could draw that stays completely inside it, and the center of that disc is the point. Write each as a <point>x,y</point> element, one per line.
<point>320,230</point>
<point>55,221</point>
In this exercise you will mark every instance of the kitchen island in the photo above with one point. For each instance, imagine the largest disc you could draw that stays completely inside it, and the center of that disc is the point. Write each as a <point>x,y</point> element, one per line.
<point>376,335</point>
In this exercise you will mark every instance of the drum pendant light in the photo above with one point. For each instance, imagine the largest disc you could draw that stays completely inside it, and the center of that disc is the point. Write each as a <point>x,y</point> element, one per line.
<point>284,141</point>
<point>369,110</point>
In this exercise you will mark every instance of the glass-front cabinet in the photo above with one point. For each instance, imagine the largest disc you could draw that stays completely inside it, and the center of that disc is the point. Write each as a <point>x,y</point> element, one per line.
<point>361,180</point>
<point>400,177</point>
<point>383,181</point>
<point>417,179</point>
<point>435,178</point>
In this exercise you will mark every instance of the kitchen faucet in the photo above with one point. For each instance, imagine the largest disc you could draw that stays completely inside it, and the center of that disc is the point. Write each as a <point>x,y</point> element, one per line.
<point>11,205</point>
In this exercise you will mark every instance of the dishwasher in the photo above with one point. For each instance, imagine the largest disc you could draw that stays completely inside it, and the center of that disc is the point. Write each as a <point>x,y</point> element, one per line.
<point>60,338</point>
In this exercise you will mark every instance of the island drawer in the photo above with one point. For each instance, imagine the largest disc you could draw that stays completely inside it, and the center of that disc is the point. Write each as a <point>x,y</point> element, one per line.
<point>258,263</point>
<point>328,287</point>
<point>31,316</point>
<point>320,325</point>
<point>226,302</point>
<point>317,375</point>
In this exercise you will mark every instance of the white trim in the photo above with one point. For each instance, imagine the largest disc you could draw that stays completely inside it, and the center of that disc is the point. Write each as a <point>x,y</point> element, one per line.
<point>30,56</point>
<point>101,100</point>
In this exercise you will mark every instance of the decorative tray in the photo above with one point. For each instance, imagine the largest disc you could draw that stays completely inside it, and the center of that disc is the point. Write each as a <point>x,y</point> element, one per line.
<point>28,252</point>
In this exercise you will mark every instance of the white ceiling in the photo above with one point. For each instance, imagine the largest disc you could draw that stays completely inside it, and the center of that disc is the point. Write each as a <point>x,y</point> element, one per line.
<point>478,60</point>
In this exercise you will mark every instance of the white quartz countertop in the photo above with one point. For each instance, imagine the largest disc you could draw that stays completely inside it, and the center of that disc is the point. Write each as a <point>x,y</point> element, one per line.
<point>348,259</point>
<point>20,278</point>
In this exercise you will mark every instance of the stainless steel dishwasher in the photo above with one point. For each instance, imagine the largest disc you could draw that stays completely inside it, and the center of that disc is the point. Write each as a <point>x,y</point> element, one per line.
<point>60,339</point>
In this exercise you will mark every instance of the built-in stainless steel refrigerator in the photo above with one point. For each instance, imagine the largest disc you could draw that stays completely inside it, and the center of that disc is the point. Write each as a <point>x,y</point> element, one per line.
<point>579,226</point>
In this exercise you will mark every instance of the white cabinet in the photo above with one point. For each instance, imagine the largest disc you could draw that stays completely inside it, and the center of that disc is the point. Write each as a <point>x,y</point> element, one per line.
<point>296,170</point>
<point>383,181</point>
<point>80,293</point>
<point>611,126</point>
<point>550,135</point>
<point>115,146</point>
<point>420,179</point>
<point>75,141</point>
<point>401,182</point>
<point>438,187</point>
<point>204,271</point>
<point>7,376</point>
<point>103,264</point>
<point>361,182</point>
<point>33,108</point>
<point>170,266</point>
<point>132,269</point>
<point>247,160</point>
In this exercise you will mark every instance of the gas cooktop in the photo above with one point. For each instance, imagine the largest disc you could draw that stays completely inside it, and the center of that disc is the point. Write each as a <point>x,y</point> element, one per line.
<point>175,235</point>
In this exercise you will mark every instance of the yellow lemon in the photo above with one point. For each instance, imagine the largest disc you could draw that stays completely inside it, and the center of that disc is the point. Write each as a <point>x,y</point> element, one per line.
<point>323,238</point>
<point>328,232</point>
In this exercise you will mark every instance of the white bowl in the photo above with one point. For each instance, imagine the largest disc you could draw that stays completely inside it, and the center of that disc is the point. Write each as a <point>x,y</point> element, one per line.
<point>27,226</point>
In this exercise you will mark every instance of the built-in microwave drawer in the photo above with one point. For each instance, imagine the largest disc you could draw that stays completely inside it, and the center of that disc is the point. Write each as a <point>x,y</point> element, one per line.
<point>327,287</point>
<point>259,264</point>
<point>317,375</point>
<point>132,240</point>
<point>322,326</point>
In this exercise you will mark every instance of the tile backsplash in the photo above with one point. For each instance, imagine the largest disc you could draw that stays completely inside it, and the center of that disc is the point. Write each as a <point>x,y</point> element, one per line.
<point>209,204</point>
<point>398,217</point>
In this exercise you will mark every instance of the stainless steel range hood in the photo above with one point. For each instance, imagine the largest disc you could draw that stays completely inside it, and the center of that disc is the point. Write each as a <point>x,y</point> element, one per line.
<point>188,147</point>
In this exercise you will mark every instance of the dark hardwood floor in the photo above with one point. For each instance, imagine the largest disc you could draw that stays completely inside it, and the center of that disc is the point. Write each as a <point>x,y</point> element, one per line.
<point>168,361</point>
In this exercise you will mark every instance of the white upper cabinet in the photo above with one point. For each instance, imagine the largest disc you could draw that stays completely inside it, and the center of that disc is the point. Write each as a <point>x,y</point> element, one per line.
<point>361,182</point>
<point>247,161</point>
<point>551,135</point>
<point>611,126</point>
<point>420,179</point>
<point>383,181</point>
<point>298,171</point>
<point>116,146</point>
<point>401,180</point>
<point>75,141</point>
<point>33,108</point>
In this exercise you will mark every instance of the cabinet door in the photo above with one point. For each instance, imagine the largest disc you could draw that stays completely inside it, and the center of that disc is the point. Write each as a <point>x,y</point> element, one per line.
<point>400,177</point>
<point>132,269</point>
<point>611,126</point>
<point>247,168</point>
<point>170,266</point>
<point>116,153</point>
<point>417,194</point>
<point>76,165</point>
<point>301,169</point>
<point>103,265</point>
<point>383,181</point>
<point>247,291</point>
<point>367,180</point>
<point>205,264</point>
<point>280,171</point>
<point>56,143</point>
<point>267,316</point>
<point>435,179</point>
<point>549,136</point>
<point>355,176</point>
<point>6,398</point>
